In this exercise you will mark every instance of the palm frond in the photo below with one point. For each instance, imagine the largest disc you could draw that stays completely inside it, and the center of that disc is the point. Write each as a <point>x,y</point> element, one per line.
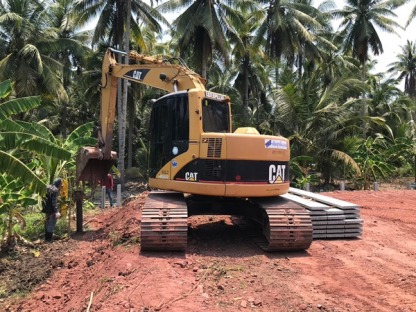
<point>346,159</point>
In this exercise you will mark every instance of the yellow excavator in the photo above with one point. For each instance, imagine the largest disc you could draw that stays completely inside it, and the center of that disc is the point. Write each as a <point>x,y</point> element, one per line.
<point>197,163</point>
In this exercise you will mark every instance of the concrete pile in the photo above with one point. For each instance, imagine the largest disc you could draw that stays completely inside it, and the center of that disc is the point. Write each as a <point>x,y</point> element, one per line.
<point>331,217</point>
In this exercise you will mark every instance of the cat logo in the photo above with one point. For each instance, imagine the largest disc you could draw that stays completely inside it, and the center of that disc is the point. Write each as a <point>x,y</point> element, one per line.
<point>137,74</point>
<point>191,176</point>
<point>277,174</point>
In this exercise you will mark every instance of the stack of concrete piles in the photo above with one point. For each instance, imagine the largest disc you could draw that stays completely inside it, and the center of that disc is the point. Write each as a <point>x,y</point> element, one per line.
<point>331,217</point>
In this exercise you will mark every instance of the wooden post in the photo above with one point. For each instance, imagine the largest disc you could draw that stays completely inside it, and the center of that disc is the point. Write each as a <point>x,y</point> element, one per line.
<point>414,167</point>
<point>103,197</point>
<point>79,195</point>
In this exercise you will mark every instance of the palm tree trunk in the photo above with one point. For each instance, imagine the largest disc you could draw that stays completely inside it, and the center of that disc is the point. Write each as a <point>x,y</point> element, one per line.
<point>364,108</point>
<point>412,85</point>
<point>64,115</point>
<point>121,129</point>
<point>204,64</point>
<point>246,63</point>
<point>132,115</point>
<point>126,48</point>
<point>122,108</point>
<point>63,119</point>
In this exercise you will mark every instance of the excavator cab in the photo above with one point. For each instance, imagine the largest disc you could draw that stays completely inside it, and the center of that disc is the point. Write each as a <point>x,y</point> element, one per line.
<point>175,127</point>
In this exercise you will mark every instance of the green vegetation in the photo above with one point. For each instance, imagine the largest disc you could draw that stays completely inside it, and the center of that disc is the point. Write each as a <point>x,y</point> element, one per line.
<point>287,71</point>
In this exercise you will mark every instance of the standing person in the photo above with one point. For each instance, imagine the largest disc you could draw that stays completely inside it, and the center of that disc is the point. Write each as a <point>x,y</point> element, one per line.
<point>109,185</point>
<point>50,208</point>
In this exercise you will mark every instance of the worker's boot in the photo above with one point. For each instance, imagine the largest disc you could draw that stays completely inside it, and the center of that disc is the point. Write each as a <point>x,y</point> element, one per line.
<point>48,237</point>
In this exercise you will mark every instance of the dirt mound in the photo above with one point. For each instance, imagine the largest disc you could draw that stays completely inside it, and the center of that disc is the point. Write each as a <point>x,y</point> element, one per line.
<point>223,270</point>
<point>25,268</point>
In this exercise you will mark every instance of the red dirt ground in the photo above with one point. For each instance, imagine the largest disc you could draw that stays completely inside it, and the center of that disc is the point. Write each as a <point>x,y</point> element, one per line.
<point>223,270</point>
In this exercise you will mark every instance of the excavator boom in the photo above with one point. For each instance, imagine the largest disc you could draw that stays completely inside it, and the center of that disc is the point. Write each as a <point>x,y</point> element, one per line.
<point>170,75</point>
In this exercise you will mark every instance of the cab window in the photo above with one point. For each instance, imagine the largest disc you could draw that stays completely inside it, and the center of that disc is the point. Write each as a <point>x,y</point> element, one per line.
<point>215,116</point>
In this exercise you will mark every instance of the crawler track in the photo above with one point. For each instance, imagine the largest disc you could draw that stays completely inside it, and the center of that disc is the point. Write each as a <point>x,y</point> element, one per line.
<point>285,225</point>
<point>164,222</point>
<point>281,224</point>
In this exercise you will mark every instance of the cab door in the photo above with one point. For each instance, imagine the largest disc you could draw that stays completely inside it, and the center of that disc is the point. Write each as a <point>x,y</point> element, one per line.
<point>169,132</point>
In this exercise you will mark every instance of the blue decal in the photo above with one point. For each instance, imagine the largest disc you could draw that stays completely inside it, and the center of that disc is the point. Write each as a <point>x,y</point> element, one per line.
<point>275,144</point>
<point>174,164</point>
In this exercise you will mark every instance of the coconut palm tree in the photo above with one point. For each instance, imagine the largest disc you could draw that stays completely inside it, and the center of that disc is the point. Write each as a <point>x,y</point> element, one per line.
<point>72,42</point>
<point>334,64</point>
<point>316,119</point>
<point>405,66</point>
<point>202,29</point>
<point>388,101</point>
<point>245,52</point>
<point>120,23</point>
<point>360,20</point>
<point>288,30</point>
<point>29,42</point>
<point>112,20</point>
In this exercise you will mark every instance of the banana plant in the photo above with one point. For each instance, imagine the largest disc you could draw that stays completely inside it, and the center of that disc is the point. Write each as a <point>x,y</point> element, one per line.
<point>32,140</point>
<point>49,157</point>
<point>13,195</point>
<point>372,156</point>
<point>8,162</point>
<point>56,156</point>
<point>30,156</point>
<point>24,139</point>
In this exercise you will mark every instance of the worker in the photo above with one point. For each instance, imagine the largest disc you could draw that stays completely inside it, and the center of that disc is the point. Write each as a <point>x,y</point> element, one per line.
<point>109,185</point>
<point>51,209</point>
